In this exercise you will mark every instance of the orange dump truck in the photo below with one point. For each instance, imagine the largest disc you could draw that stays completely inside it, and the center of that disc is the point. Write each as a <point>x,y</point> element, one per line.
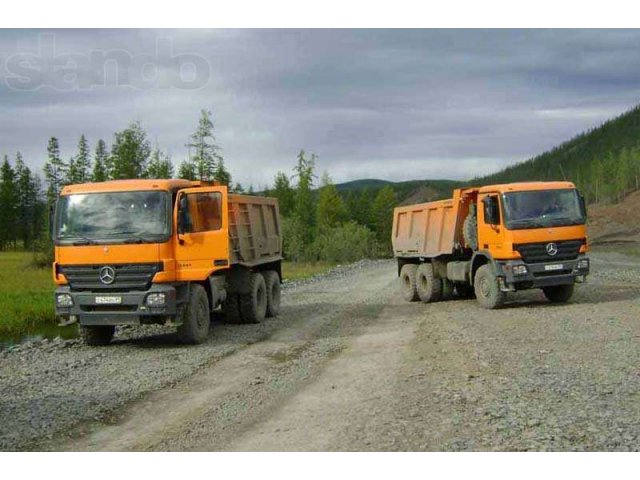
<point>492,240</point>
<point>132,252</point>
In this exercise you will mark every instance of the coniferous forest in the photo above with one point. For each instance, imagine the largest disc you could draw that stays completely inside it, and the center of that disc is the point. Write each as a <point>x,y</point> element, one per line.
<point>322,221</point>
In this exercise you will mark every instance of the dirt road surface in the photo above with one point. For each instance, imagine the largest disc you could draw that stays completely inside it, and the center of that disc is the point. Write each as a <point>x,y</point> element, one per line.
<point>350,366</point>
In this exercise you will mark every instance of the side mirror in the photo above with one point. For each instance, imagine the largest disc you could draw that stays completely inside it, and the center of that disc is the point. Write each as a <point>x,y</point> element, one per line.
<point>183,209</point>
<point>491,211</point>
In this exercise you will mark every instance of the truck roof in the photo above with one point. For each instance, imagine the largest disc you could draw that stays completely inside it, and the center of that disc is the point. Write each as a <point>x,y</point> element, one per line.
<point>129,185</point>
<point>523,186</point>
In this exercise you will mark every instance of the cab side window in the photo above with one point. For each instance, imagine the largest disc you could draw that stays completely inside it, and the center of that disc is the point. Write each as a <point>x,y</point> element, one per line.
<point>491,210</point>
<point>205,212</point>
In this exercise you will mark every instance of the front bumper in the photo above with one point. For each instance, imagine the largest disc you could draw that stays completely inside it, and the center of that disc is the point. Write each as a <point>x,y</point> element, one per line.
<point>131,310</point>
<point>547,274</point>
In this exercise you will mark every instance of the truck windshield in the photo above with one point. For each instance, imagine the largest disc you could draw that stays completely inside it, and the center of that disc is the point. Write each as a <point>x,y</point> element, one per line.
<point>115,217</point>
<point>543,208</point>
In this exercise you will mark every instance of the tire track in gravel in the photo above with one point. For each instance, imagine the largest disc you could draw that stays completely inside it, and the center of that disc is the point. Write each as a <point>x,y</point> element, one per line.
<point>245,386</point>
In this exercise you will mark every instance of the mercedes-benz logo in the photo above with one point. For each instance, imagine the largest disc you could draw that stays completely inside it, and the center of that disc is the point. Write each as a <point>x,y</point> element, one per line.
<point>552,249</point>
<point>107,275</point>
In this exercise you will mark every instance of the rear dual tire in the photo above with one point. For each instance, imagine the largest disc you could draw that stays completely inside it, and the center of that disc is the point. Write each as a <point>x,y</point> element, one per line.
<point>262,299</point>
<point>408,282</point>
<point>429,286</point>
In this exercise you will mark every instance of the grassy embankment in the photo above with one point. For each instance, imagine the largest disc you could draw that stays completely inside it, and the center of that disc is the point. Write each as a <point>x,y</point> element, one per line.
<point>299,271</point>
<point>26,295</point>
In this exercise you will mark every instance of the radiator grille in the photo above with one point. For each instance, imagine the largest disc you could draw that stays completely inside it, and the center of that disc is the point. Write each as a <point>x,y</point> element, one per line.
<point>537,252</point>
<point>132,276</point>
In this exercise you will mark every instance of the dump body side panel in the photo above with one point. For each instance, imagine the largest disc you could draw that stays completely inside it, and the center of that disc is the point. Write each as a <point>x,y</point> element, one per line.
<point>255,234</point>
<point>427,229</point>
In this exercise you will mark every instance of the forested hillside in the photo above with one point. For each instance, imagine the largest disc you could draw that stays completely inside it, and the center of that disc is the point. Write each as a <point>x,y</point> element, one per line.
<point>408,192</point>
<point>604,162</point>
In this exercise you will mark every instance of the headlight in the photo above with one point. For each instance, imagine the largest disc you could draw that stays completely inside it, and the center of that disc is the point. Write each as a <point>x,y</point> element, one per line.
<point>583,264</point>
<point>64,300</point>
<point>156,299</point>
<point>520,270</point>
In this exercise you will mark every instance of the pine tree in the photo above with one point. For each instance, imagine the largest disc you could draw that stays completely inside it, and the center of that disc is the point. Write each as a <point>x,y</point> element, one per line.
<point>285,194</point>
<point>55,171</point>
<point>304,211</point>
<point>160,165</point>
<point>101,171</point>
<point>9,202</point>
<point>71,177</point>
<point>130,152</point>
<point>83,161</point>
<point>205,150</point>
<point>221,174</point>
<point>383,206</point>
<point>187,170</point>
<point>331,210</point>
<point>27,198</point>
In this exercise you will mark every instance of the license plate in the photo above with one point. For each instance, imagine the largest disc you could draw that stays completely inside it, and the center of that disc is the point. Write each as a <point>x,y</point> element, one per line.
<point>109,300</point>
<point>553,267</point>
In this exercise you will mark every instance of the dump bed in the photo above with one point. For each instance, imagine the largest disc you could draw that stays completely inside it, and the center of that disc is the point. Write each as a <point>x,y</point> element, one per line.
<point>255,234</point>
<point>429,229</point>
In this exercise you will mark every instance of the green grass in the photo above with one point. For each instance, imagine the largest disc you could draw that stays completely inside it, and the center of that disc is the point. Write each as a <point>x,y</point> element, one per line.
<point>302,270</point>
<point>26,297</point>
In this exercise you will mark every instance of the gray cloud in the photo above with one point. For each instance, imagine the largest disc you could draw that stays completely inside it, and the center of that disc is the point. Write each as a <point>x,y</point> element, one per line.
<point>395,104</point>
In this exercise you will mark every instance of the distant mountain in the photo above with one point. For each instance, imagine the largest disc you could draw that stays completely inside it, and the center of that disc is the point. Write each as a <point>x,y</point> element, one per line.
<point>407,192</point>
<point>604,161</point>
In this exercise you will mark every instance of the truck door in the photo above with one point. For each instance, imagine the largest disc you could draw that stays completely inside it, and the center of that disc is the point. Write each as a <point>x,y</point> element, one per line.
<point>201,223</point>
<point>490,228</point>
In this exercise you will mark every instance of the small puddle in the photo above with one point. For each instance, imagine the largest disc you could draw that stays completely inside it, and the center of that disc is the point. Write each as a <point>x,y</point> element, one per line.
<point>45,331</point>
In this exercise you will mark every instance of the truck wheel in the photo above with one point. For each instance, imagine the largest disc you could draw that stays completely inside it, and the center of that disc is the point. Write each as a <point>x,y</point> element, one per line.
<point>470,230</point>
<point>272,280</point>
<point>558,294</point>
<point>408,282</point>
<point>195,317</point>
<point>428,285</point>
<point>253,305</point>
<point>487,289</point>
<point>231,308</point>
<point>97,334</point>
<point>464,290</point>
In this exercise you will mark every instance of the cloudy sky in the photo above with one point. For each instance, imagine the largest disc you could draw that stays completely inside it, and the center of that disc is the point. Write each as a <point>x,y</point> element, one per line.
<point>391,104</point>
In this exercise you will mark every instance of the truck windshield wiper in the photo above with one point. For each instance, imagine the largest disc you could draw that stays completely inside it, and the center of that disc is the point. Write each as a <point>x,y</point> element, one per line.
<point>526,222</point>
<point>131,237</point>
<point>138,240</point>
<point>566,220</point>
<point>79,240</point>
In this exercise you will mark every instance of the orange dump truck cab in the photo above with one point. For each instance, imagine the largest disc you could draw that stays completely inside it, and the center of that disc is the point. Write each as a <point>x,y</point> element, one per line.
<point>492,240</point>
<point>132,252</point>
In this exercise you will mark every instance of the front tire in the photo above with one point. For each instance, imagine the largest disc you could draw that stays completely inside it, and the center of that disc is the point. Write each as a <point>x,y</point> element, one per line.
<point>429,286</point>
<point>558,294</point>
<point>97,335</point>
<point>196,320</point>
<point>272,280</point>
<point>408,282</point>
<point>487,289</point>
<point>253,305</point>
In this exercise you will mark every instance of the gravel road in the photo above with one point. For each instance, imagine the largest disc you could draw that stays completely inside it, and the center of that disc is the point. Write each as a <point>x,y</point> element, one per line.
<point>350,366</point>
